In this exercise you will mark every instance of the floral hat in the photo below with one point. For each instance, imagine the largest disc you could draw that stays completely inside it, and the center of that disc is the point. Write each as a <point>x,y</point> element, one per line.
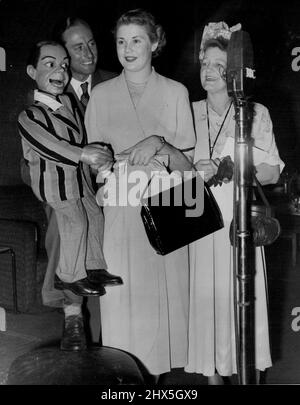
<point>215,30</point>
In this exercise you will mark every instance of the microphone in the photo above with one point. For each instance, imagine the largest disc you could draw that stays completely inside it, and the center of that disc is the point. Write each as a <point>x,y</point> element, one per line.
<point>240,69</point>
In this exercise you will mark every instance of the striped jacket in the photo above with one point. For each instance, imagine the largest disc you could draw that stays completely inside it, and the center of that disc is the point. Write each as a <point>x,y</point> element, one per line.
<point>52,144</point>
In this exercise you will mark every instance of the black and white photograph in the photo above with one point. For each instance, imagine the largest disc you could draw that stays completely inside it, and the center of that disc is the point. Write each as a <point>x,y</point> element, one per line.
<point>149,195</point>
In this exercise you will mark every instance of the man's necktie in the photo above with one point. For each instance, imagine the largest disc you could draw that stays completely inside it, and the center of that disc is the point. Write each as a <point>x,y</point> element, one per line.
<point>85,95</point>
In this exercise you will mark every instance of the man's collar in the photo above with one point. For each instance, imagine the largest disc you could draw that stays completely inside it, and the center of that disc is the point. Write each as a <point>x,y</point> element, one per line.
<point>76,85</point>
<point>47,99</point>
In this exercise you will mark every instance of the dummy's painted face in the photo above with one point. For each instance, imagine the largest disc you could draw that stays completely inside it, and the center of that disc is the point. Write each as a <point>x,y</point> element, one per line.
<point>51,72</point>
<point>134,47</point>
<point>82,49</point>
<point>213,69</point>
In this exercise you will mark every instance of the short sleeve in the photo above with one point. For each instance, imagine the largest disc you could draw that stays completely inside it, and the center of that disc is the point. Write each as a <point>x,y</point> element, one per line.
<point>185,135</point>
<point>264,147</point>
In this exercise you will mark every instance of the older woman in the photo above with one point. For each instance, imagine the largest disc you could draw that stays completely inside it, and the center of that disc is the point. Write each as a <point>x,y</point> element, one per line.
<point>212,346</point>
<point>142,114</point>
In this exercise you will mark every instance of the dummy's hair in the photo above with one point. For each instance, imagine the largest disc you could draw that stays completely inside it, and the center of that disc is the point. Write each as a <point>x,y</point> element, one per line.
<point>35,51</point>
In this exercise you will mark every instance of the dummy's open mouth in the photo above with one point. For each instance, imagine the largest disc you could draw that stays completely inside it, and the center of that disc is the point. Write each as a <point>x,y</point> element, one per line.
<point>57,83</point>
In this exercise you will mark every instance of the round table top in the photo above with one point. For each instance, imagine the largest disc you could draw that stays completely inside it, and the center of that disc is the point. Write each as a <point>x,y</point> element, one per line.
<point>97,366</point>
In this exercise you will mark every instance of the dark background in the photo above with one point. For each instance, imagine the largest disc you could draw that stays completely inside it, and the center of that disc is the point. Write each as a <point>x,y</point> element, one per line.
<point>274,28</point>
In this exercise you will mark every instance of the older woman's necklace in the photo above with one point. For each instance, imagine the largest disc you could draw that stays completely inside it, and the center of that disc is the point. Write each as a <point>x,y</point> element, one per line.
<point>212,146</point>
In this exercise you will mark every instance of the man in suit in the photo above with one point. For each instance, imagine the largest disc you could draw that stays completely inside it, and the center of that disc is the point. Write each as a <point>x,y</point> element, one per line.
<point>77,37</point>
<point>54,145</point>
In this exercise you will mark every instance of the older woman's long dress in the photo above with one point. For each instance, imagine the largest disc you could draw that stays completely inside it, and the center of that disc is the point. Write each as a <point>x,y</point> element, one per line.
<point>211,323</point>
<point>148,315</point>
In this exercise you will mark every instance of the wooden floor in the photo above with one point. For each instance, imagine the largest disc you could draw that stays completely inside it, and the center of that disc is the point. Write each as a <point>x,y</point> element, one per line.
<point>28,331</point>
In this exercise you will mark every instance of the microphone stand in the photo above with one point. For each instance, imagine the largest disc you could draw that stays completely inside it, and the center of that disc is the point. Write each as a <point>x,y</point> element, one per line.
<point>243,248</point>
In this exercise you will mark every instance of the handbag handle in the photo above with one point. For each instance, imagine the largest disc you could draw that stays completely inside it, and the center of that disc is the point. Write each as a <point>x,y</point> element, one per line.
<point>149,181</point>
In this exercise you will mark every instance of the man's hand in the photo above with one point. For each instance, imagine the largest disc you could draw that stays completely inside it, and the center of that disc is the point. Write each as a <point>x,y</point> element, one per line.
<point>142,152</point>
<point>96,155</point>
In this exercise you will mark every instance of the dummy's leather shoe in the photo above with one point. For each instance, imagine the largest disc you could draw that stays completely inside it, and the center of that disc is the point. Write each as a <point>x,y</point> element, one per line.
<point>82,287</point>
<point>73,338</point>
<point>103,277</point>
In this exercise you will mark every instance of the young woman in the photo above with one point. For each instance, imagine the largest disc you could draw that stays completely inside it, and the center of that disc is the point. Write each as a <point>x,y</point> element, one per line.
<point>142,114</point>
<point>212,349</point>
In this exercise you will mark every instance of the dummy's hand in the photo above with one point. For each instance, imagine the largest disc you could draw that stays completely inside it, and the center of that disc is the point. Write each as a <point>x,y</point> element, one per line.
<point>142,152</point>
<point>208,166</point>
<point>96,155</point>
<point>106,166</point>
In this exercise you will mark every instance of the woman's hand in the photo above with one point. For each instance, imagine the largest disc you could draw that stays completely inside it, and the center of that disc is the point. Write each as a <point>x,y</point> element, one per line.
<point>142,152</point>
<point>208,166</point>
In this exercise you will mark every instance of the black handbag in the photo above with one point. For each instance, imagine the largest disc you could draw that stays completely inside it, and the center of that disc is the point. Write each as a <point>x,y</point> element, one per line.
<point>265,228</point>
<point>169,228</point>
